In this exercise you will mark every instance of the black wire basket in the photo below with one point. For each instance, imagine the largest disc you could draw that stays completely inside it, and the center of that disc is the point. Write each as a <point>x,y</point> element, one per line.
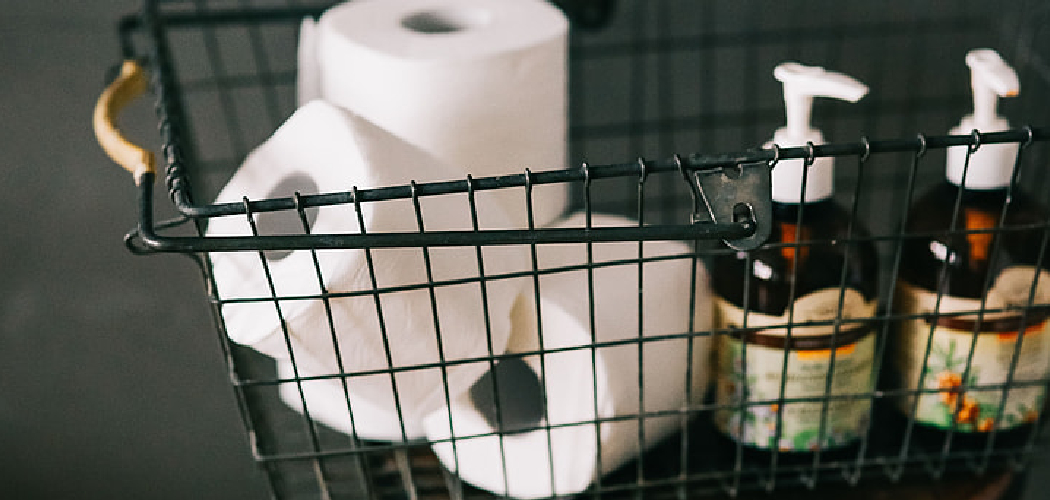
<point>648,79</point>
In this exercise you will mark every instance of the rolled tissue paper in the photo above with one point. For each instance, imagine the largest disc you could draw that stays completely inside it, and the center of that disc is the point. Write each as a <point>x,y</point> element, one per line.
<point>480,84</point>
<point>329,403</point>
<point>322,148</point>
<point>577,388</point>
<point>307,86</point>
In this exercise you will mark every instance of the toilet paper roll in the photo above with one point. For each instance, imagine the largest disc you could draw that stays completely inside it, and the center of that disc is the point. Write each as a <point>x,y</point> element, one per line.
<point>480,84</point>
<point>307,84</point>
<point>579,388</point>
<point>322,148</point>
<point>328,403</point>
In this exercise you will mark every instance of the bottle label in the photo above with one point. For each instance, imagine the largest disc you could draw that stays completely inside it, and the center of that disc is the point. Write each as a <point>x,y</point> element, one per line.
<point>972,398</point>
<point>757,390</point>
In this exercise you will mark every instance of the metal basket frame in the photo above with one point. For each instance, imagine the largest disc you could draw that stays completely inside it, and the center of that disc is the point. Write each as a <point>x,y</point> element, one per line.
<point>385,470</point>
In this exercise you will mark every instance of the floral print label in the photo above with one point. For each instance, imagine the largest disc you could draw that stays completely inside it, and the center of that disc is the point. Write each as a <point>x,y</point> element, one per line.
<point>970,399</point>
<point>757,390</point>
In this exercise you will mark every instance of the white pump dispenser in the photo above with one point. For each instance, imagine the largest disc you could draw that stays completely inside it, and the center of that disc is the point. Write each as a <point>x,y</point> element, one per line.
<point>991,166</point>
<point>801,85</point>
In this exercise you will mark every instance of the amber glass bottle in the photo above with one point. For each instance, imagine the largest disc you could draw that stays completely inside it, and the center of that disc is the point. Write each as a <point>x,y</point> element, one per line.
<point>967,283</point>
<point>804,264</point>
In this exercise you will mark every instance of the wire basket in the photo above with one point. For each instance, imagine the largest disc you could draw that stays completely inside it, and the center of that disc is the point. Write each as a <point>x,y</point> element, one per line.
<point>648,79</point>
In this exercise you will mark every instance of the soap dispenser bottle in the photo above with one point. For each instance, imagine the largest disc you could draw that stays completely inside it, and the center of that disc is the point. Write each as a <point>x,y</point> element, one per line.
<point>785,303</point>
<point>978,261</point>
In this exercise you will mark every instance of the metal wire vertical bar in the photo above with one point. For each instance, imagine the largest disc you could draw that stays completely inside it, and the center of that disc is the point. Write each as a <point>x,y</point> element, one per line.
<point>539,329</point>
<point>902,454</point>
<point>836,327</point>
<point>170,109</point>
<point>989,279</point>
<point>683,471</point>
<point>320,476</point>
<point>262,66</point>
<point>975,334</point>
<point>404,468</point>
<point>640,461</point>
<point>483,287</point>
<point>792,295</point>
<point>227,354</point>
<point>592,327</point>
<point>881,345</point>
<point>942,275</point>
<point>1022,328</point>
<point>363,467</point>
<point>1034,432</point>
<point>380,318</point>
<point>428,266</point>
<point>743,405</point>
<point>211,46</point>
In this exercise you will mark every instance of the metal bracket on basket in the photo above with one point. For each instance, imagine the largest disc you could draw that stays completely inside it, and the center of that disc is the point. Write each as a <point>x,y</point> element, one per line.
<point>734,194</point>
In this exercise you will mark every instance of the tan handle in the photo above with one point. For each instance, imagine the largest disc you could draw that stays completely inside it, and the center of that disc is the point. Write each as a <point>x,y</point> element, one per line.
<point>131,83</point>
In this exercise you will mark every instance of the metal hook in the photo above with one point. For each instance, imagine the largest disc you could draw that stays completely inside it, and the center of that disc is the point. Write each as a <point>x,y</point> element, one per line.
<point>867,149</point>
<point>528,199</point>
<point>643,170</point>
<point>416,205</point>
<point>680,165</point>
<point>976,140</point>
<point>470,186</point>
<point>694,187</point>
<point>585,168</point>
<point>1029,137</point>
<point>357,207</point>
<point>247,207</point>
<point>776,156</point>
<point>472,202</point>
<point>301,210</point>
<point>810,153</point>
<point>297,201</point>
<point>922,145</point>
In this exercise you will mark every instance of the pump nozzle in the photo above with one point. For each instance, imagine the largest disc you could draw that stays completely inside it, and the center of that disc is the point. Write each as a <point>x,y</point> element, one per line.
<point>801,84</point>
<point>991,166</point>
<point>991,78</point>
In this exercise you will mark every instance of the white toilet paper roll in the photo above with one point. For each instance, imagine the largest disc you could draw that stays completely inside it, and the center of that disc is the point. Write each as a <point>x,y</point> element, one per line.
<point>322,148</point>
<point>480,84</point>
<point>307,79</point>
<point>328,403</point>
<point>577,387</point>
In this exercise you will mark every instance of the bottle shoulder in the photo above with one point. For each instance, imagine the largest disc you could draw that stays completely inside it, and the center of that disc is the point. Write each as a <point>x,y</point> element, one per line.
<point>799,259</point>
<point>956,240</point>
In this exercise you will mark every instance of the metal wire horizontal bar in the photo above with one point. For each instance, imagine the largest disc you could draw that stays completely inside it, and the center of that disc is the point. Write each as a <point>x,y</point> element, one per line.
<point>452,282</point>
<point>875,461</point>
<point>547,351</point>
<point>691,162</point>
<point>150,241</point>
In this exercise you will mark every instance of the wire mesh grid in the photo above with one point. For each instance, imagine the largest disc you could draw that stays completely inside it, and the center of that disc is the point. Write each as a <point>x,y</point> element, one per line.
<point>651,79</point>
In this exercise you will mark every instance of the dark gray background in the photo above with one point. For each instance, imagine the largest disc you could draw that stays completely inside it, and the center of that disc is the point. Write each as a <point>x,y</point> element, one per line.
<point>111,381</point>
<point>111,384</point>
